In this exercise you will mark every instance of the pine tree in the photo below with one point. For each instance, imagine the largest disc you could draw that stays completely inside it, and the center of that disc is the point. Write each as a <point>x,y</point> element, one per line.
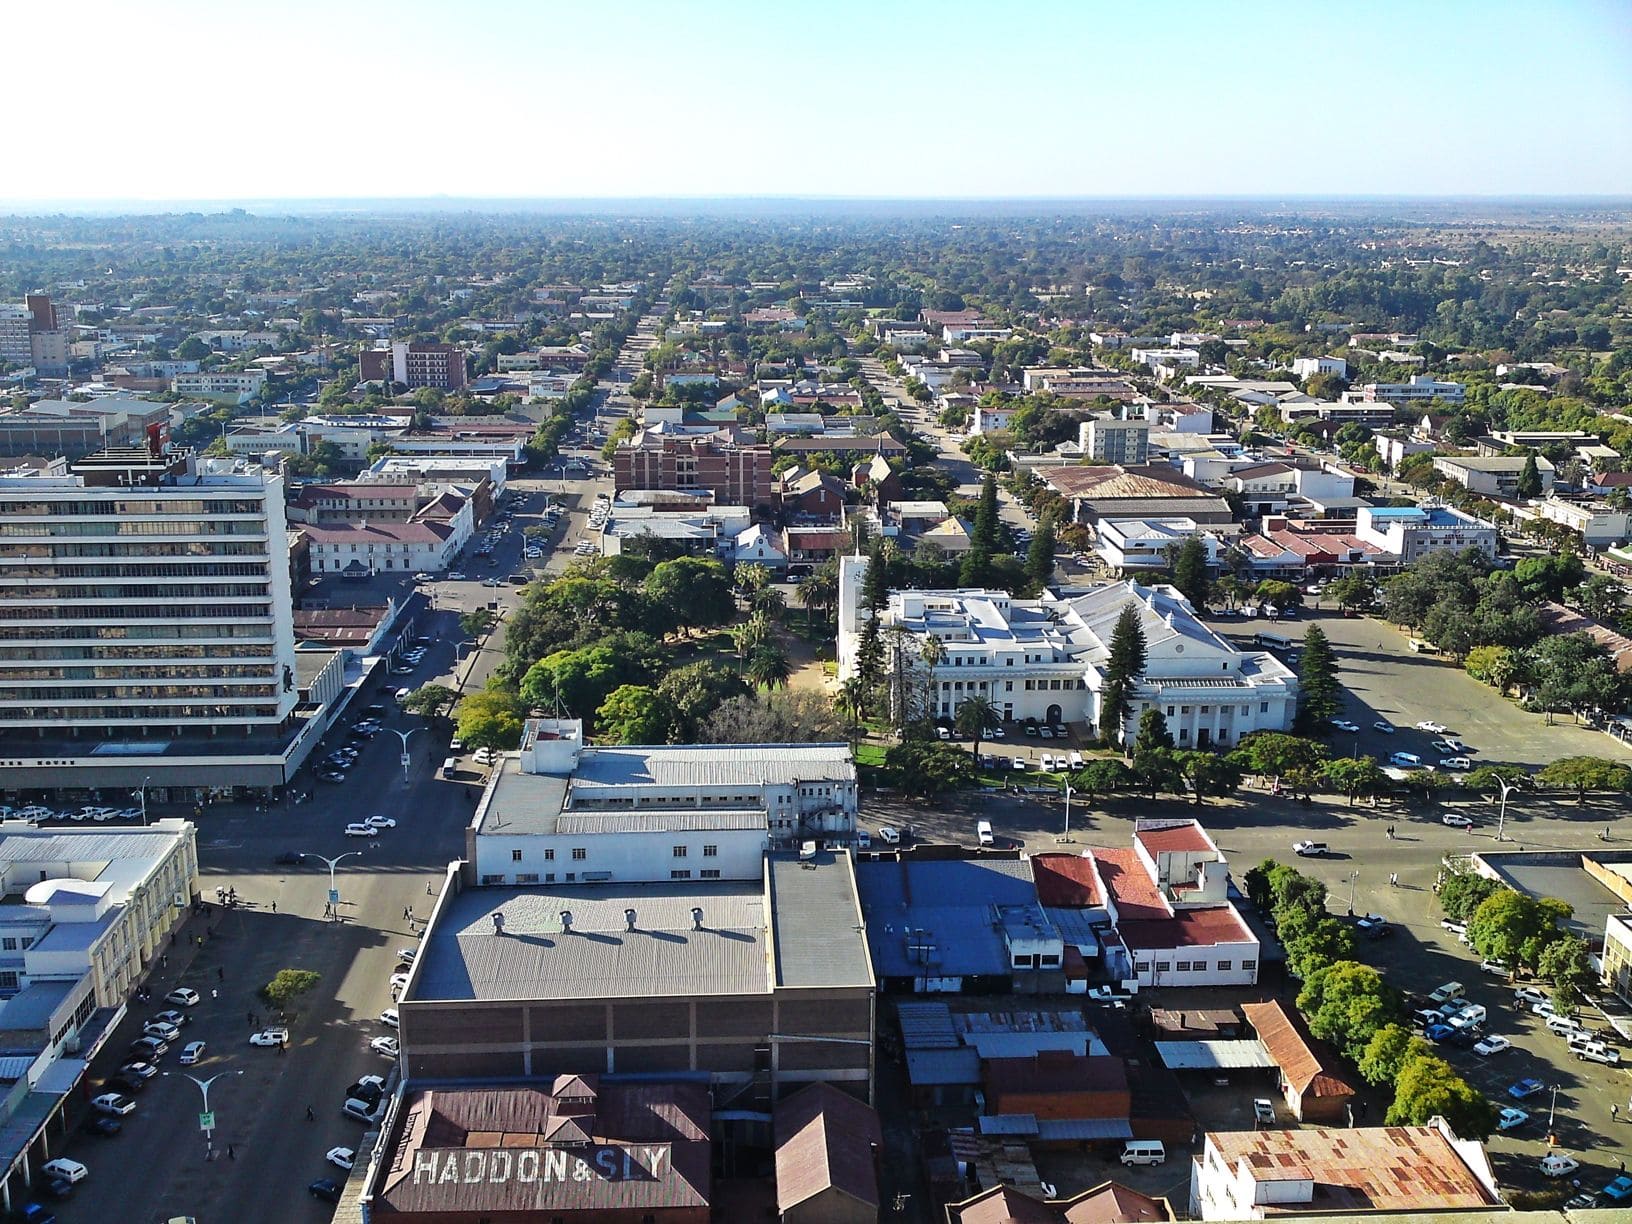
<point>1153,732</point>
<point>1190,572</point>
<point>1123,668</point>
<point>1529,479</point>
<point>1040,556</point>
<point>977,563</point>
<point>985,532</point>
<point>870,653</point>
<point>875,583</point>
<point>1319,692</point>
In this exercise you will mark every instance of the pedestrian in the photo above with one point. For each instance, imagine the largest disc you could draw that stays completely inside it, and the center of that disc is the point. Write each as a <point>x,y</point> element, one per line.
<point>1614,1112</point>
<point>231,1155</point>
<point>164,962</point>
<point>274,907</point>
<point>214,994</point>
<point>428,891</point>
<point>220,973</point>
<point>310,1116</point>
<point>249,1019</point>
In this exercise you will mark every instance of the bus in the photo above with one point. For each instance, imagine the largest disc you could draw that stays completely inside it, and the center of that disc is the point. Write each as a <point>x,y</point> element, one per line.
<point>1273,641</point>
<point>450,767</point>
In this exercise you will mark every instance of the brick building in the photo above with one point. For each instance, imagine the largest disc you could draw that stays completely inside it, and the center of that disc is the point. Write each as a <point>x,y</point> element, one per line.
<point>415,365</point>
<point>738,475</point>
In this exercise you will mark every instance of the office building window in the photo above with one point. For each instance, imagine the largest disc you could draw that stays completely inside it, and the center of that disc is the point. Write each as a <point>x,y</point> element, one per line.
<point>679,875</point>
<point>679,852</point>
<point>527,877</point>
<point>710,873</point>
<point>579,853</point>
<point>515,856</point>
<point>711,851</point>
<point>549,856</point>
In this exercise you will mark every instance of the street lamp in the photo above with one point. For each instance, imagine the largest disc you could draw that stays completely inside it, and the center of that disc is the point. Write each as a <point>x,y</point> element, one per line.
<point>1501,820</point>
<point>403,736</point>
<point>1066,779</point>
<point>206,1119</point>
<point>1353,876</point>
<point>334,890</point>
<point>142,795</point>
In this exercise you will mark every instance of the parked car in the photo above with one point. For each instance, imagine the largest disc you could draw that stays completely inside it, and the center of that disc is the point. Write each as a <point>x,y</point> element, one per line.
<point>389,1017</point>
<point>889,836</point>
<point>1492,1045</point>
<point>1510,1117</point>
<point>1456,820</point>
<point>1383,725</point>
<point>1309,849</point>
<point>1263,1111</point>
<point>1619,1190</point>
<point>1405,760</point>
<point>1456,762</point>
<point>103,1126</point>
<point>1529,994</point>
<point>1432,727</point>
<point>380,822</point>
<point>191,1053</point>
<point>343,1157</point>
<point>324,1188</point>
<point>360,830</point>
<point>1343,724</point>
<point>113,1103</point>
<point>71,1171</point>
<point>1525,1088</point>
<point>1559,1165</point>
<point>385,1045</point>
<point>182,996</point>
<point>1493,966</point>
<point>270,1037</point>
<point>139,1070</point>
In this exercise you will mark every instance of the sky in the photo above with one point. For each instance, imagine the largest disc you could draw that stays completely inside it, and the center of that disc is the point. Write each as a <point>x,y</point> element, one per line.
<point>215,100</point>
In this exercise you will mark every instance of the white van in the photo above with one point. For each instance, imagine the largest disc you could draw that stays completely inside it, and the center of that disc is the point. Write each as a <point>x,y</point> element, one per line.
<point>1563,1025</point>
<point>1143,1152</point>
<point>362,1110</point>
<point>983,833</point>
<point>70,1171</point>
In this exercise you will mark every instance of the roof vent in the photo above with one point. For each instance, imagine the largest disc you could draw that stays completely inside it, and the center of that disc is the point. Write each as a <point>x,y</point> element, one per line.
<point>629,917</point>
<point>566,920</point>
<point>696,917</point>
<point>498,922</point>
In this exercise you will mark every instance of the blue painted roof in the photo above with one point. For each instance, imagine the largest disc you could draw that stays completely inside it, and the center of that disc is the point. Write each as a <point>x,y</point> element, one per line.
<point>951,903</point>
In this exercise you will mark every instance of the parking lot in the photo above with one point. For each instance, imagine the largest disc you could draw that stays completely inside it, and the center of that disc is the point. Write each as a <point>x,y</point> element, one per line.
<point>1385,680</point>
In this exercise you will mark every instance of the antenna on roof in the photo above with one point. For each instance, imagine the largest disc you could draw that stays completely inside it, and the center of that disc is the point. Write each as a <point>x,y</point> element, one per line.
<point>629,917</point>
<point>566,921</point>
<point>696,917</point>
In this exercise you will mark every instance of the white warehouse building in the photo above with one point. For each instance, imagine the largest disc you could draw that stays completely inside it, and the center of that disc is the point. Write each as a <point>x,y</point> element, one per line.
<point>559,812</point>
<point>1044,658</point>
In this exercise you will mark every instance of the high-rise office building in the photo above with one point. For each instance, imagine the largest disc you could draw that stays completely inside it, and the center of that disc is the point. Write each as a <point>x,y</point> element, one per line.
<point>146,627</point>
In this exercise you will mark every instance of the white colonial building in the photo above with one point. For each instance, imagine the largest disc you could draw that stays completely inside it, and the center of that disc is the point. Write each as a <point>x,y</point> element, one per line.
<point>1045,658</point>
<point>558,812</point>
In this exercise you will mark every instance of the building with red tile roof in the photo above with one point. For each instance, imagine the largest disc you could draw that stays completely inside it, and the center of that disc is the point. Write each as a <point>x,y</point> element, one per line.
<point>827,1149</point>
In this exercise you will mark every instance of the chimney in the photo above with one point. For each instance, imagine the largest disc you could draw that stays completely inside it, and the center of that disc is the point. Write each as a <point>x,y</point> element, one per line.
<point>629,917</point>
<point>566,920</point>
<point>696,917</point>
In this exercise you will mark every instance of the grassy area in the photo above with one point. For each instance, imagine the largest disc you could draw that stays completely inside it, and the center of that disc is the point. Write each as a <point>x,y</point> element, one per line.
<point>871,755</point>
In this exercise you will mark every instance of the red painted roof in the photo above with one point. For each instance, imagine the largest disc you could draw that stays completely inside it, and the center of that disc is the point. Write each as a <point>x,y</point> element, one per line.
<point>1126,882</point>
<point>1186,837</point>
<point>1066,879</point>
<point>1187,928</point>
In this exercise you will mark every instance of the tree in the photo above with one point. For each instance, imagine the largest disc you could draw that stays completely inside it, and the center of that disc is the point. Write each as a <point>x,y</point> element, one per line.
<point>696,691</point>
<point>928,767</point>
<point>1463,892</point>
<point>776,716</point>
<point>1153,731</point>
<point>1387,1051</point>
<point>1584,773</point>
<point>1157,769</point>
<point>287,985</point>
<point>1599,597</point>
<point>1513,928</point>
<point>1355,776</point>
<point>1189,565</point>
<point>768,667</point>
<point>1277,593</point>
<point>580,680</point>
<point>1346,1003</point>
<point>1101,777</point>
<point>1428,1087</point>
<point>192,349</point>
<point>429,700</point>
<point>1124,666</point>
<point>750,578</point>
<point>875,581</point>
<point>636,714</point>
<point>870,654</point>
<point>984,534</point>
<point>1488,664</point>
<point>817,589</point>
<point>1275,754</point>
<point>490,717</point>
<point>768,602</point>
<point>755,633</point>
<point>1566,963</point>
<point>976,718</point>
<point>694,592</point>
<point>1319,693</point>
<point>1315,943</point>
<point>1040,554</point>
<point>1208,774</point>
<point>1529,479</point>
<point>1352,592</point>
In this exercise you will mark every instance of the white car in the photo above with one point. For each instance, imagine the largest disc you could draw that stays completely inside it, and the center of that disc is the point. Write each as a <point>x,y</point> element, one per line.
<point>360,830</point>
<point>1405,760</point>
<point>1559,1165</point>
<point>1432,727</point>
<point>1104,994</point>
<point>399,981</point>
<point>407,955</point>
<point>385,1045</point>
<point>1455,762</point>
<point>270,1037</point>
<point>1492,1045</point>
<point>390,1019</point>
<point>182,996</point>
<point>1456,820</point>
<point>1383,725</point>
<point>1046,763</point>
<point>1309,849</point>
<point>113,1103</point>
<point>1529,994</point>
<point>1076,760</point>
<point>191,1053</point>
<point>380,822</point>
<point>1493,966</point>
<point>343,1156</point>
<point>1343,724</point>
<point>889,835</point>
<point>1509,1117</point>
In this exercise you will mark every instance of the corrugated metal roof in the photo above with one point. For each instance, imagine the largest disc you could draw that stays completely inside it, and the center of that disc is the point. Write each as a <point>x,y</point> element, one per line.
<point>1213,1055</point>
<point>14,1066</point>
<point>816,922</point>
<point>825,1139</point>
<point>1008,1124</point>
<point>1084,1128</point>
<point>73,846</point>
<point>714,765</point>
<point>935,917</point>
<point>926,1026</point>
<point>927,1068</point>
<point>640,821</point>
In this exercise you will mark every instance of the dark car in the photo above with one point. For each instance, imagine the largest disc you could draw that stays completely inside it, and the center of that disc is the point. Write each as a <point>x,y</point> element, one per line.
<point>289,858</point>
<point>127,1084</point>
<point>102,1126</point>
<point>365,1092</point>
<point>324,1189</point>
<point>59,1187</point>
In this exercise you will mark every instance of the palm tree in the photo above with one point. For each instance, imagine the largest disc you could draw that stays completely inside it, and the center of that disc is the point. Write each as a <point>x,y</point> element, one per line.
<point>931,653</point>
<point>977,717</point>
<point>750,579</point>
<point>768,602</point>
<point>768,667</point>
<point>753,634</point>
<point>817,589</point>
<point>851,699</point>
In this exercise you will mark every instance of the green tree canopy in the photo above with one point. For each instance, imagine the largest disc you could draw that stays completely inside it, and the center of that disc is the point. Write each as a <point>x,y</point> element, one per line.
<point>1189,565</point>
<point>1124,667</point>
<point>1275,754</point>
<point>1513,928</point>
<point>1355,776</point>
<point>1584,773</point>
<point>1429,1087</point>
<point>490,717</point>
<point>636,714</point>
<point>1319,693</point>
<point>693,592</point>
<point>429,700</point>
